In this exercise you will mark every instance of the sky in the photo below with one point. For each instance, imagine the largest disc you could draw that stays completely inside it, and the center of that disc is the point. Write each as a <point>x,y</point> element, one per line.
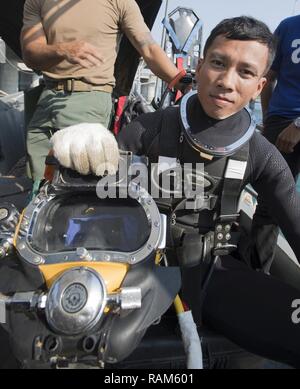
<point>213,11</point>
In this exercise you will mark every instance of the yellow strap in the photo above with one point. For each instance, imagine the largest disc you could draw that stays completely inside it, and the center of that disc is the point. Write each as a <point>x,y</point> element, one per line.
<point>178,305</point>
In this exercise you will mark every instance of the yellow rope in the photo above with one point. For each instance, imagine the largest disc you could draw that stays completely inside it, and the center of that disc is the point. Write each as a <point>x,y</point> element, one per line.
<point>178,305</point>
<point>157,257</point>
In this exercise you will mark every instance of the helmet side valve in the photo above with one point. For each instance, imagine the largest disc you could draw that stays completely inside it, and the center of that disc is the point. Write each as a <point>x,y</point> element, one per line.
<point>126,298</point>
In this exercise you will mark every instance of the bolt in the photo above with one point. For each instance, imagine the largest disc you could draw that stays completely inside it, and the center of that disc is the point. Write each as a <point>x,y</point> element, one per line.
<point>37,260</point>
<point>3,213</point>
<point>227,228</point>
<point>156,224</point>
<point>228,236</point>
<point>84,254</point>
<point>219,228</point>
<point>173,219</point>
<point>220,236</point>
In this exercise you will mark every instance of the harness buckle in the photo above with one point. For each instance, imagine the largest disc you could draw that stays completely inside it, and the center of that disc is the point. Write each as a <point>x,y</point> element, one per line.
<point>70,85</point>
<point>224,249</point>
<point>223,235</point>
<point>228,218</point>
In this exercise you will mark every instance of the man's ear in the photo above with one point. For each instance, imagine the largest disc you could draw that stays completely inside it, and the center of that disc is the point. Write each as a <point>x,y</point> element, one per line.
<point>260,87</point>
<point>199,64</point>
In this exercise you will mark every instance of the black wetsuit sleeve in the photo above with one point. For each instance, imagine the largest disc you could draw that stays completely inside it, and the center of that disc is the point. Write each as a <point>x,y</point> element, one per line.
<point>141,136</point>
<point>272,179</point>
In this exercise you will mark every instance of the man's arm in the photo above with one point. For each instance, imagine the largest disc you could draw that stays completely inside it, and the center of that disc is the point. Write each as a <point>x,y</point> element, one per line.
<point>155,57</point>
<point>141,136</point>
<point>39,55</point>
<point>267,92</point>
<point>290,136</point>
<point>288,139</point>
<point>273,180</point>
<point>91,148</point>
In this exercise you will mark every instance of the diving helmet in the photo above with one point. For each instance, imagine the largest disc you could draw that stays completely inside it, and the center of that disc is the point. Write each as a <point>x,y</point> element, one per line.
<point>96,257</point>
<point>73,236</point>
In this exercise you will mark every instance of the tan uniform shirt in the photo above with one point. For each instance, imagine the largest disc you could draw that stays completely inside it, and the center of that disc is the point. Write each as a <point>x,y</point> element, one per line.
<point>99,22</point>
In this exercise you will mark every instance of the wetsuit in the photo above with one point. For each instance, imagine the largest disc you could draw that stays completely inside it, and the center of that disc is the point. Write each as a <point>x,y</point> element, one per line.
<point>249,307</point>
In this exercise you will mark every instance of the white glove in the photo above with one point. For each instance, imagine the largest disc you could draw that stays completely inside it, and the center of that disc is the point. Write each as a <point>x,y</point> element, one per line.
<point>86,148</point>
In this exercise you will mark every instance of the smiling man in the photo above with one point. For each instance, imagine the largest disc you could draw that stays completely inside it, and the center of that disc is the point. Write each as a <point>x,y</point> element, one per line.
<point>231,73</point>
<point>211,126</point>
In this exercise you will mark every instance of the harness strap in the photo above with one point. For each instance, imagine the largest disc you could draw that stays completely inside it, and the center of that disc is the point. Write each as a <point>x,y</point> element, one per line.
<point>233,179</point>
<point>232,186</point>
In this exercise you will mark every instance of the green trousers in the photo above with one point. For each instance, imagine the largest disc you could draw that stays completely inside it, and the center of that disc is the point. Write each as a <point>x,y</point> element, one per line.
<point>56,110</point>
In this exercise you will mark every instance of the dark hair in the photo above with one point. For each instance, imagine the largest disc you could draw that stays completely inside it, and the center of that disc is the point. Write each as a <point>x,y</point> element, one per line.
<point>245,28</point>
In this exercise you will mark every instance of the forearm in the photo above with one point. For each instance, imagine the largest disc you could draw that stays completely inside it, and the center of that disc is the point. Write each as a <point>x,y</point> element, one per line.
<point>273,181</point>
<point>130,138</point>
<point>159,62</point>
<point>142,135</point>
<point>42,56</point>
<point>37,53</point>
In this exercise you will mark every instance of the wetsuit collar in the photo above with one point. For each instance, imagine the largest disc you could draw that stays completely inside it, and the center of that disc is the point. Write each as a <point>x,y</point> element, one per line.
<point>214,137</point>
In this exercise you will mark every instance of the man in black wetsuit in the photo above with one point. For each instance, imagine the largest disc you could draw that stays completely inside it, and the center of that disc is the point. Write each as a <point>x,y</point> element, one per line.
<point>251,308</point>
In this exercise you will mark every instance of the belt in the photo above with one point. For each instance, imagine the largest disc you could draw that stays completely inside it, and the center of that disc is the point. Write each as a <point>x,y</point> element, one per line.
<point>73,85</point>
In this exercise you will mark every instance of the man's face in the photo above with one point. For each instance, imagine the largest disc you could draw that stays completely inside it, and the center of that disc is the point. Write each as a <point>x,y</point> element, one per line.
<point>230,75</point>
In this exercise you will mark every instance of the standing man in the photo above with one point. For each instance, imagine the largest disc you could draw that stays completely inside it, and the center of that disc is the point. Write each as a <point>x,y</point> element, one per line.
<point>281,112</point>
<point>75,44</point>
